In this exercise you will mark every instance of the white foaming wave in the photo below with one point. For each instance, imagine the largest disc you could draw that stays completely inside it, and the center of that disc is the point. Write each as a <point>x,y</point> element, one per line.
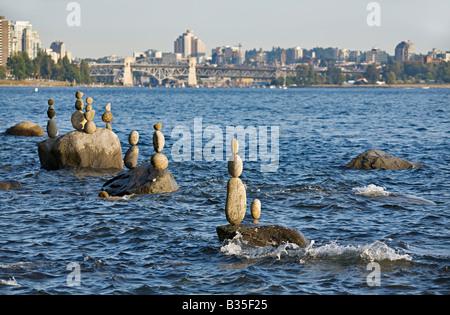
<point>332,252</point>
<point>376,251</point>
<point>372,190</point>
<point>11,282</point>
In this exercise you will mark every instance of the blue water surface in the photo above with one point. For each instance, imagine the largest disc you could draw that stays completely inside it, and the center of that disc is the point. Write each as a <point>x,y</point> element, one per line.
<point>167,244</point>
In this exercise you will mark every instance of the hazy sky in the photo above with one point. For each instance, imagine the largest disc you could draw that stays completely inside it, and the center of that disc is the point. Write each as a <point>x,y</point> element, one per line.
<point>121,27</point>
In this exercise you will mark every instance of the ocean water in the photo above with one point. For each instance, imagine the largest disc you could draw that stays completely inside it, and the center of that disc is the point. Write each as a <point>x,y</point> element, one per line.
<point>371,232</point>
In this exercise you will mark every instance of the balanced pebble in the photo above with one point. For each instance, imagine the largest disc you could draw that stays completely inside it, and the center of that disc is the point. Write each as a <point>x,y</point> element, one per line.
<point>78,120</point>
<point>256,210</point>
<point>235,165</point>
<point>51,102</point>
<point>158,141</point>
<point>90,127</point>
<point>160,161</point>
<point>52,128</point>
<point>79,104</point>
<point>133,138</point>
<point>131,157</point>
<point>236,202</point>
<point>51,113</point>
<point>158,126</point>
<point>89,115</point>
<point>78,94</point>
<point>234,146</point>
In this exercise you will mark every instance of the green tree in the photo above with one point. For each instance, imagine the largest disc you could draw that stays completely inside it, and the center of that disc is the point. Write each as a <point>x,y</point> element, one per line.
<point>20,65</point>
<point>391,78</point>
<point>2,72</point>
<point>85,72</point>
<point>372,74</point>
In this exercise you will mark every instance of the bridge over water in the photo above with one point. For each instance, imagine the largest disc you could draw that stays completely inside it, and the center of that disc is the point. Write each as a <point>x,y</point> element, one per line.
<point>189,69</point>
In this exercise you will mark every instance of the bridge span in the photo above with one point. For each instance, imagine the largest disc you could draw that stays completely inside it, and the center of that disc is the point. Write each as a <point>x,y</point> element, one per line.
<point>192,71</point>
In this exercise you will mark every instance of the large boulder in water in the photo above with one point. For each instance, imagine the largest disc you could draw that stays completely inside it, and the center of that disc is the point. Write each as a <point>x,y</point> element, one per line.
<point>377,159</point>
<point>262,235</point>
<point>144,179</point>
<point>77,149</point>
<point>25,129</point>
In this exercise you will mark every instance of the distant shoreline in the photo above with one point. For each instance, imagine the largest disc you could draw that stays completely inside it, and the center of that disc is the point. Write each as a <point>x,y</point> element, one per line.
<point>44,83</point>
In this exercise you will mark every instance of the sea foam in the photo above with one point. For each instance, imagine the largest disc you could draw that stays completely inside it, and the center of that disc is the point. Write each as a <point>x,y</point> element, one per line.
<point>332,252</point>
<point>372,190</point>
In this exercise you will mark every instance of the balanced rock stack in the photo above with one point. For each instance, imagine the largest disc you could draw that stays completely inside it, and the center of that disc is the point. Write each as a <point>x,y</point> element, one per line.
<point>132,154</point>
<point>108,116</point>
<point>90,126</point>
<point>158,159</point>
<point>253,234</point>
<point>236,203</point>
<point>148,178</point>
<point>86,147</point>
<point>52,126</point>
<point>78,120</point>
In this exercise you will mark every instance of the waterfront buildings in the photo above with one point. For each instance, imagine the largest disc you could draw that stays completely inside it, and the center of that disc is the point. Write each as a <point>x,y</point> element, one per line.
<point>376,56</point>
<point>189,45</point>
<point>227,55</point>
<point>6,39</point>
<point>18,36</point>
<point>404,51</point>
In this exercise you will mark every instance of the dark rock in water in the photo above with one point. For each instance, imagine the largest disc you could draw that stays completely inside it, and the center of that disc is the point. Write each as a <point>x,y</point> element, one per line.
<point>77,149</point>
<point>144,179</point>
<point>25,129</point>
<point>262,235</point>
<point>10,184</point>
<point>377,159</point>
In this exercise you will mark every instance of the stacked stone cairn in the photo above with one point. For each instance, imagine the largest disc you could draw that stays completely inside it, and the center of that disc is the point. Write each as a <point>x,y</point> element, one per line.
<point>132,154</point>
<point>78,120</point>
<point>52,126</point>
<point>253,234</point>
<point>236,202</point>
<point>108,116</point>
<point>158,159</point>
<point>90,126</point>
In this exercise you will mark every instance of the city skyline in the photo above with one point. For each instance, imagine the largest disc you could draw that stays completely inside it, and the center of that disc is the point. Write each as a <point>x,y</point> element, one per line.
<point>128,26</point>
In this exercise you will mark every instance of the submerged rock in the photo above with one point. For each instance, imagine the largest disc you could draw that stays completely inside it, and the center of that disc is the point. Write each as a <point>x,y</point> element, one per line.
<point>262,235</point>
<point>144,179</point>
<point>77,149</point>
<point>10,184</point>
<point>25,129</point>
<point>377,159</point>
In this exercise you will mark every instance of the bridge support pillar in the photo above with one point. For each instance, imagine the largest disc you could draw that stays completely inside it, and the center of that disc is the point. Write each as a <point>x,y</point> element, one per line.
<point>192,78</point>
<point>127,73</point>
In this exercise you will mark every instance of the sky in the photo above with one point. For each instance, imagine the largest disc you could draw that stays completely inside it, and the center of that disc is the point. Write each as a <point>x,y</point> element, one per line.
<point>121,27</point>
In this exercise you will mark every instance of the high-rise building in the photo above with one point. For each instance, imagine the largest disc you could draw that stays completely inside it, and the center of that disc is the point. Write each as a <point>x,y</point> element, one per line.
<point>294,55</point>
<point>376,56</point>
<point>26,39</point>
<point>227,55</point>
<point>189,45</point>
<point>6,40</point>
<point>404,51</point>
<point>59,48</point>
